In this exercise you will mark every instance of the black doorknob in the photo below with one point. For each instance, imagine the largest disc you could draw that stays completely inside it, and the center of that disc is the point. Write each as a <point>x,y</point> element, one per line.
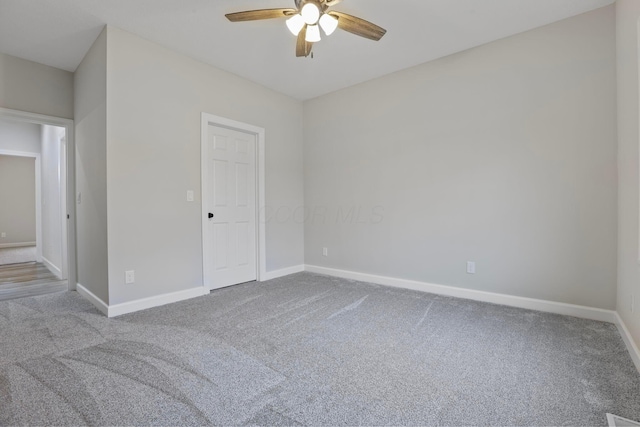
<point>210,215</point>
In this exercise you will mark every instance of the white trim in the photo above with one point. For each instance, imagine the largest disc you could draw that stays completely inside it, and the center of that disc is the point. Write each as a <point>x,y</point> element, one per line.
<point>628,341</point>
<point>612,421</point>
<point>38,209</point>
<point>204,123</point>
<point>262,221</point>
<point>52,267</point>
<point>259,132</point>
<point>19,153</point>
<point>38,119</point>
<point>154,301</point>
<point>637,60</point>
<point>140,304</point>
<point>16,245</point>
<point>494,298</point>
<point>97,302</point>
<point>26,117</point>
<point>283,272</point>
<point>62,206</point>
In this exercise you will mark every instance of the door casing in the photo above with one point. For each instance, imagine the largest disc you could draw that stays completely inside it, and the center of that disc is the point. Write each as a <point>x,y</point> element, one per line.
<point>41,119</point>
<point>210,119</point>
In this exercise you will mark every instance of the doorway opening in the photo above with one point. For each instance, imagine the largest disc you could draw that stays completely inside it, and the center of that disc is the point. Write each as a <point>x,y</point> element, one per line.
<point>37,250</point>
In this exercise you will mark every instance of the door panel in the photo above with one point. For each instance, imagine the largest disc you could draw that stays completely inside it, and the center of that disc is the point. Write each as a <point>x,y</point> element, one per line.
<point>221,237</point>
<point>220,183</point>
<point>230,235</point>
<point>242,229</point>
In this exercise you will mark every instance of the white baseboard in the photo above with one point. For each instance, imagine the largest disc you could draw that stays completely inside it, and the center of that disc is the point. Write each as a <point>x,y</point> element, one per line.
<point>154,301</point>
<point>16,245</point>
<point>97,302</point>
<point>52,268</point>
<point>140,304</point>
<point>283,272</point>
<point>495,298</point>
<point>628,340</point>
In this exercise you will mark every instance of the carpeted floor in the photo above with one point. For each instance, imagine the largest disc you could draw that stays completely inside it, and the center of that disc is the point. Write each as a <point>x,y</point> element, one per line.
<point>309,350</point>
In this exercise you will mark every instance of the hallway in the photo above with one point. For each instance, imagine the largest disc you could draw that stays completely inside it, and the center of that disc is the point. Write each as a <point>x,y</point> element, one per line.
<point>28,279</point>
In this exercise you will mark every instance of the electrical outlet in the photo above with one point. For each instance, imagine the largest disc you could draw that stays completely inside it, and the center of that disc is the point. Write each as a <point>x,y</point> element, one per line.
<point>3,234</point>
<point>129,276</point>
<point>325,252</point>
<point>471,267</point>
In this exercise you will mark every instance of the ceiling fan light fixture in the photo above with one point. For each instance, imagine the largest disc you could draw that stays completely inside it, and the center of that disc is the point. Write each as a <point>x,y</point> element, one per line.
<point>311,13</point>
<point>328,24</point>
<point>295,24</point>
<point>307,19</point>
<point>313,34</point>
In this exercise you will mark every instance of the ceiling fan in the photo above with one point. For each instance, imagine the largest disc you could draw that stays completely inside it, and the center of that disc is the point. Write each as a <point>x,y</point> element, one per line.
<point>308,17</point>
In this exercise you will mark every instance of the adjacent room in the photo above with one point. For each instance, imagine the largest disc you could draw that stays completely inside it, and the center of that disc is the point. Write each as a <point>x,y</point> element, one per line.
<point>320,212</point>
<point>33,230</point>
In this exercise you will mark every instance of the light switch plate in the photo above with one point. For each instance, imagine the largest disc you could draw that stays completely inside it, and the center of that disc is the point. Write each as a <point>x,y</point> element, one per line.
<point>190,196</point>
<point>471,267</point>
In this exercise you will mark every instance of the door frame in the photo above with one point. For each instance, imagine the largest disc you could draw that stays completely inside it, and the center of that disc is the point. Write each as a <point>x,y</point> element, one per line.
<point>259,133</point>
<point>67,124</point>
<point>62,165</point>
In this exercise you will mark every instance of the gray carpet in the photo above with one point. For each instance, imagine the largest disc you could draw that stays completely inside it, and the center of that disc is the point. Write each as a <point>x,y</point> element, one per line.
<point>309,350</point>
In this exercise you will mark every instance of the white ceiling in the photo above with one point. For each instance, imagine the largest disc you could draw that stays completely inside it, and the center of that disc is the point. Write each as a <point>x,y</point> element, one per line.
<point>59,33</point>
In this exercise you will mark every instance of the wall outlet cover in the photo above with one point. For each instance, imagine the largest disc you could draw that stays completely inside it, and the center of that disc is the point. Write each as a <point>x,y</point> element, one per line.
<point>471,267</point>
<point>129,277</point>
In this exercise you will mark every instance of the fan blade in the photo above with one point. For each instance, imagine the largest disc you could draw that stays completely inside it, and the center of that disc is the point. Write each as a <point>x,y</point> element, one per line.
<point>254,15</point>
<point>303,47</point>
<point>358,26</point>
<point>330,3</point>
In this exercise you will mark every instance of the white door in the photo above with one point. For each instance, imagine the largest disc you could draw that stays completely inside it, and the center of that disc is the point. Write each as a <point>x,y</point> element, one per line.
<point>230,230</point>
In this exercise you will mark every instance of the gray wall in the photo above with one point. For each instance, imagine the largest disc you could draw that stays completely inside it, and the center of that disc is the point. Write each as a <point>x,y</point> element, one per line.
<point>35,88</point>
<point>19,136</point>
<point>91,169</point>
<point>155,100</point>
<point>628,12</point>
<point>504,155</point>
<point>19,221</point>
<point>18,199</point>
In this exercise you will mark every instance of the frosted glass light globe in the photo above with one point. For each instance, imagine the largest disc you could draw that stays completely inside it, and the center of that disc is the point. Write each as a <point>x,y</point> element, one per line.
<point>313,33</point>
<point>295,24</point>
<point>310,13</point>
<point>328,24</point>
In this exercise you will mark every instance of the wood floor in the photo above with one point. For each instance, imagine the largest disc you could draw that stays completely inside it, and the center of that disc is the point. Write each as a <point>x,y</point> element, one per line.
<point>28,279</point>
